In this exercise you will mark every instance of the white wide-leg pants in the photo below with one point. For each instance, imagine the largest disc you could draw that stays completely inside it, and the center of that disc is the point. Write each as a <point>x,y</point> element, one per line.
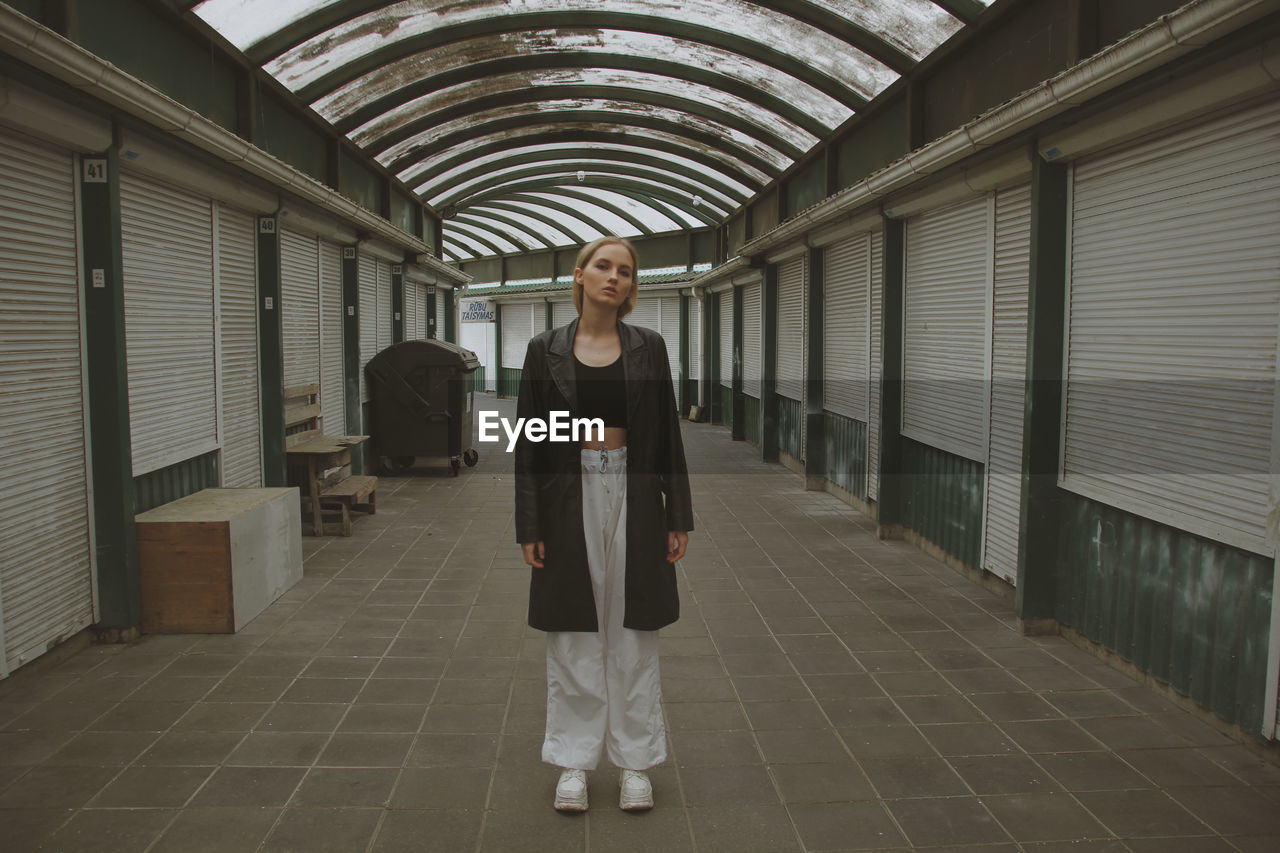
<point>603,689</point>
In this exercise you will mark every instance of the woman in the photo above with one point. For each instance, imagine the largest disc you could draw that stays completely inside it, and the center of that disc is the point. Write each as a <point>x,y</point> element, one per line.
<point>602,524</point>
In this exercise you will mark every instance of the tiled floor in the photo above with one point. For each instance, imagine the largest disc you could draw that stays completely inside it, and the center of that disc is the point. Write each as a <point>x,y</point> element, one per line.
<point>825,691</point>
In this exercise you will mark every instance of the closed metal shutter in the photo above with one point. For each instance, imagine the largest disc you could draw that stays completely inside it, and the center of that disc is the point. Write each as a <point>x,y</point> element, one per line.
<point>946,310</point>
<point>1173,321</point>
<point>412,300</point>
<point>517,328</point>
<point>646,313</point>
<point>46,575</point>
<point>386,333</point>
<point>791,315</point>
<point>695,347</point>
<point>300,304</point>
<point>333,408</point>
<point>563,313</point>
<point>751,339</point>
<point>1008,375</point>
<point>169,322</point>
<point>368,280</point>
<point>669,326</point>
<point>875,370</point>
<point>845,326</point>
<point>238,301</point>
<point>724,312</point>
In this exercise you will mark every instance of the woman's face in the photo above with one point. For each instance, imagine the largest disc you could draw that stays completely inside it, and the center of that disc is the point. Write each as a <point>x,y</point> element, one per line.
<point>608,276</point>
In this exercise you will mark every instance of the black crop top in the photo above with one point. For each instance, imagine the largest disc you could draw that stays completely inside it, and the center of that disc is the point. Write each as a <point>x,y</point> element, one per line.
<point>602,392</point>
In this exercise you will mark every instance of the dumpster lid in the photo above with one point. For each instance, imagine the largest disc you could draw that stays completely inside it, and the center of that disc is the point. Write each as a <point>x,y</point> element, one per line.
<point>429,351</point>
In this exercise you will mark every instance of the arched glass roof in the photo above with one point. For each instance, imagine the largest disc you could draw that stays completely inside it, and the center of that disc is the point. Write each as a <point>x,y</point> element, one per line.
<point>530,123</point>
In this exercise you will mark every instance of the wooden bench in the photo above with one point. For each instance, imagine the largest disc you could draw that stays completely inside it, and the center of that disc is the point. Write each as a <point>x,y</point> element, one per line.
<point>320,466</point>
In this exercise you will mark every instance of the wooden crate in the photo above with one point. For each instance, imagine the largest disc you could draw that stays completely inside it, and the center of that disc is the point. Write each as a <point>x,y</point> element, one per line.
<point>210,562</point>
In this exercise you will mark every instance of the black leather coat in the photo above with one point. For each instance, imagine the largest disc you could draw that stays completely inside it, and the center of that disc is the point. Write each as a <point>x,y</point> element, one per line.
<point>549,485</point>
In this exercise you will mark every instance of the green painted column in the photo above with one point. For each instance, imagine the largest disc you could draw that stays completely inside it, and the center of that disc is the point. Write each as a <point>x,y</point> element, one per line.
<point>769,449</point>
<point>270,354</point>
<point>891,506</point>
<point>450,312</point>
<point>683,394</point>
<point>1038,563</point>
<point>738,417</point>
<point>111,472</point>
<point>547,320</point>
<point>815,458</point>
<point>711,370</point>
<point>499,389</point>
<point>351,350</point>
<point>397,303</point>
<point>432,330</point>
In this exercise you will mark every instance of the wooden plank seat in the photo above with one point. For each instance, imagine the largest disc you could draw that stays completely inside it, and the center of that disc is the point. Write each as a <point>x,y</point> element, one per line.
<point>320,466</point>
<point>357,492</point>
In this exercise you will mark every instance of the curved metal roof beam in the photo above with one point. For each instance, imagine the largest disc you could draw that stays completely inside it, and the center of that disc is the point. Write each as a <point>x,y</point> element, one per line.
<point>466,233</point>
<point>573,18</point>
<point>965,10</point>
<point>488,165</point>
<point>370,110</point>
<point>608,204</point>
<point>308,27</point>
<point>487,221</point>
<point>658,203</point>
<point>536,94</point>
<point>589,119</point>
<point>472,151</point>
<point>631,187</point>
<point>668,183</point>
<point>576,212</point>
<point>538,214</point>
<point>454,252</point>
<point>452,191</point>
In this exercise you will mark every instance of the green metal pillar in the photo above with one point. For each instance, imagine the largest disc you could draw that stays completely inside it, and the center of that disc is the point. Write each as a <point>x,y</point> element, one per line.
<point>815,458</point>
<point>738,417</point>
<point>270,354</point>
<point>450,312</point>
<point>351,350</point>
<point>683,393</point>
<point>1040,517</point>
<point>397,303</point>
<point>115,545</point>
<point>499,388</point>
<point>547,320</point>
<point>769,449</point>
<point>891,508</point>
<point>711,368</point>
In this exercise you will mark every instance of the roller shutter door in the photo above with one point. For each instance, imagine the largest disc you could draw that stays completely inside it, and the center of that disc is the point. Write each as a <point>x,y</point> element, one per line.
<point>386,334</point>
<point>368,283</point>
<point>563,313</point>
<point>874,360</point>
<point>333,407</point>
<point>751,339</point>
<point>517,328</point>
<point>300,304</point>
<point>669,326</point>
<point>46,585</point>
<point>646,313</point>
<point>695,348</point>
<point>238,302</point>
<point>724,312</point>
<point>1008,375</point>
<point>1173,321</point>
<point>946,310</point>
<point>791,299</point>
<point>169,322</point>
<point>845,326</point>
<point>412,301</point>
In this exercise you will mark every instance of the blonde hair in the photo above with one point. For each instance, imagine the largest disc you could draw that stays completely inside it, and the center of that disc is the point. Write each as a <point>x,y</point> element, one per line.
<point>584,257</point>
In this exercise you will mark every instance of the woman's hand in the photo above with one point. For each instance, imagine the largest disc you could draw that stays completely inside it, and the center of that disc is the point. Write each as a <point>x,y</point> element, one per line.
<point>677,542</point>
<point>534,553</point>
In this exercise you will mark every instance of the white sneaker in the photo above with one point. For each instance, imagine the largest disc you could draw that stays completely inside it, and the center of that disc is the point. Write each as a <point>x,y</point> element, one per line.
<point>571,791</point>
<point>637,791</point>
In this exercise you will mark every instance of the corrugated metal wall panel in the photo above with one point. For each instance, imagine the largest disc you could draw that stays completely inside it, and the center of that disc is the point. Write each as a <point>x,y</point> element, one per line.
<point>412,300</point>
<point>518,326</point>
<point>237,294</point>
<point>333,410</point>
<point>646,313</point>
<point>1008,378</point>
<point>441,320</point>
<point>846,452</point>
<point>300,304</point>
<point>791,318</point>
<point>724,311</point>
<point>46,585</point>
<point>169,322</point>
<point>946,310</point>
<point>386,334</point>
<point>845,347</point>
<point>874,361</point>
<point>368,281</point>
<point>669,307</point>
<point>751,331</point>
<point>944,501</point>
<point>1174,318</point>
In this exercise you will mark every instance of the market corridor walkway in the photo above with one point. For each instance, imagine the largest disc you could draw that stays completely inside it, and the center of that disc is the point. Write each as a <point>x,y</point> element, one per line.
<point>826,691</point>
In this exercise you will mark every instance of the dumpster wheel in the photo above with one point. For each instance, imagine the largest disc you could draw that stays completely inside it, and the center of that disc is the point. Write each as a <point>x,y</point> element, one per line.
<point>454,465</point>
<point>471,457</point>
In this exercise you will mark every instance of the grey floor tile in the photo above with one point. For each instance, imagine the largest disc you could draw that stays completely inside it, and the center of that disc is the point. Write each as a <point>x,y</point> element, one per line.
<point>541,830</point>
<point>1231,811</point>
<point>845,826</point>
<point>428,831</point>
<point>894,778</point>
<point>151,787</point>
<point>786,715</point>
<point>968,739</point>
<point>345,787</point>
<point>805,746</point>
<point>1045,817</point>
<point>1141,814</point>
<point>713,749</point>
<point>665,829</point>
<point>442,788</point>
<point>102,748</point>
<point>265,787</point>
<point>1004,774</point>
<point>1092,771</point>
<point>821,783</point>
<point>886,742</point>
<point>453,750</point>
<point>25,829</point>
<point>705,716</point>
<point>953,821</point>
<point>322,831</point>
<point>97,830</point>
<point>56,787</point>
<point>743,829</point>
<point>727,786</point>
